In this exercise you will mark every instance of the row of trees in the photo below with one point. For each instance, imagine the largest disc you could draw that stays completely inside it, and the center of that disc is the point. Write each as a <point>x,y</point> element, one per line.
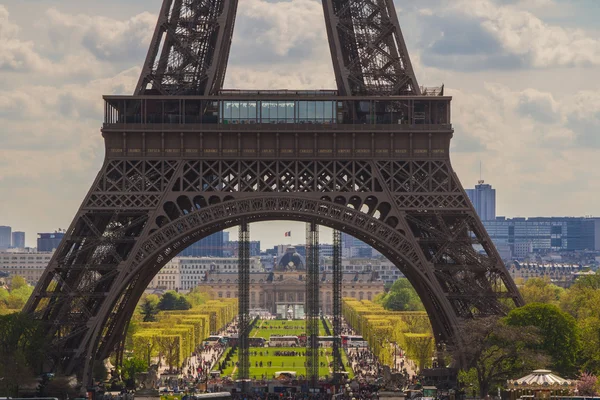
<point>383,329</point>
<point>175,334</point>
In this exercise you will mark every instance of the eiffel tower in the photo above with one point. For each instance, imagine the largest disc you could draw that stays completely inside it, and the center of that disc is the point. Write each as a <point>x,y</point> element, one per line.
<point>186,158</point>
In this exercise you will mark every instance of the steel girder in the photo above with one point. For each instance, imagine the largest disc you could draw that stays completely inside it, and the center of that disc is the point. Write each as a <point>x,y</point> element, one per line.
<point>312,304</point>
<point>244,305</point>
<point>414,211</point>
<point>367,48</point>
<point>190,48</point>
<point>338,365</point>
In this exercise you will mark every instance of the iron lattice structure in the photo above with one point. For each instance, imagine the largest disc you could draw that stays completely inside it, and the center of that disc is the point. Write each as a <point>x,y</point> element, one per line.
<point>244,303</point>
<point>337,302</point>
<point>313,320</point>
<point>185,159</point>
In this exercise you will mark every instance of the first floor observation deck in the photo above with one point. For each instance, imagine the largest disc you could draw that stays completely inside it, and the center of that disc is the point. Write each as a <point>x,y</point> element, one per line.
<point>277,123</point>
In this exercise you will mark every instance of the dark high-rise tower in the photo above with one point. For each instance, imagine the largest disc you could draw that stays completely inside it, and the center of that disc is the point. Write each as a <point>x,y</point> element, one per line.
<point>5,237</point>
<point>186,159</point>
<point>18,240</point>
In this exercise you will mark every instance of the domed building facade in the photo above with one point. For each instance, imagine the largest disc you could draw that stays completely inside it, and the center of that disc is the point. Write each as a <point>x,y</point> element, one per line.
<point>290,261</point>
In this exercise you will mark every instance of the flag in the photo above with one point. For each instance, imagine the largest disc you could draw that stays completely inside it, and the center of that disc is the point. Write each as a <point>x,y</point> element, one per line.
<point>288,234</point>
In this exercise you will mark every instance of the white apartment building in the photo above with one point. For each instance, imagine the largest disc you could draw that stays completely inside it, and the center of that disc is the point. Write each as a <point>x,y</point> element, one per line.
<point>185,273</point>
<point>29,265</point>
<point>168,277</point>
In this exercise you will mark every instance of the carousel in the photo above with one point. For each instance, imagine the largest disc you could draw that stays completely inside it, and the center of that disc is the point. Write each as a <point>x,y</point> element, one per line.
<point>541,384</point>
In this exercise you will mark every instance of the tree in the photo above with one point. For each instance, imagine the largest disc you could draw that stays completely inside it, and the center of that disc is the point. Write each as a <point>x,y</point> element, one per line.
<point>17,282</point>
<point>402,297</point>
<point>587,385</point>
<point>582,300</point>
<point>149,310</point>
<point>182,304</point>
<point>169,348</point>
<point>132,366</point>
<point>173,301</point>
<point>497,351</point>
<point>420,347</point>
<point>3,294</point>
<point>538,290</point>
<point>558,330</point>
<point>22,350</point>
<point>198,296</point>
<point>588,281</point>
<point>589,330</point>
<point>14,302</point>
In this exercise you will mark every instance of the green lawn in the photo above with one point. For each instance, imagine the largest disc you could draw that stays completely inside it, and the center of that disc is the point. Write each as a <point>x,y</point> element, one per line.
<point>267,328</point>
<point>279,363</point>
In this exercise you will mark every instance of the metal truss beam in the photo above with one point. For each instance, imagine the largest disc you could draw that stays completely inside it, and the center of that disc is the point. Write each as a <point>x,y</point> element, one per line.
<point>367,48</point>
<point>337,302</point>
<point>312,304</point>
<point>244,304</point>
<point>190,48</point>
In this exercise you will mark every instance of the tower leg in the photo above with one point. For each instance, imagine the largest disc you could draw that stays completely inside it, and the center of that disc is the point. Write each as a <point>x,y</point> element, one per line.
<point>244,306</point>
<point>312,305</point>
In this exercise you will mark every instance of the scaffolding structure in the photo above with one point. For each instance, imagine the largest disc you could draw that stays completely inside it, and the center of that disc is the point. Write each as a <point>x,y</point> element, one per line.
<point>244,304</point>
<point>312,304</point>
<point>338,366</point>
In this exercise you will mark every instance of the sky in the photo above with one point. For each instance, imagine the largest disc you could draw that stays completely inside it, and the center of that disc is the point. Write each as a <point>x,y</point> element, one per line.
<point>523,75</point>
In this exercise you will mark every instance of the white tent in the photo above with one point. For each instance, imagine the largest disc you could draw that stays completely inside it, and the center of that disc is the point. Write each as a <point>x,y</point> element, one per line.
<point>542,379</point>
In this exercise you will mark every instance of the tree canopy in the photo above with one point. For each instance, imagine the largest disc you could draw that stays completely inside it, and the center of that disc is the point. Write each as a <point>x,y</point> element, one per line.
<point>558,332</point>
<point>539,290</point>
<point>494,351</point>
<point>401,297</point>
<point>173,301</point>
<point>22,349</point>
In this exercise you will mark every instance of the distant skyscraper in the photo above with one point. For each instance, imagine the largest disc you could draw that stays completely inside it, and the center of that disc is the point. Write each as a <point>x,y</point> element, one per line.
<point>210,246</point>
<point>225,237</point>
<point>49,241</point>
<point>5,237</point>
<point>18,240</point>
<point>483,198</point>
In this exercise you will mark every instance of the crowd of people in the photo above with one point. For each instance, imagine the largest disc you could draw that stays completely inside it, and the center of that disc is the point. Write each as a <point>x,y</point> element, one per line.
<point>364,395</point>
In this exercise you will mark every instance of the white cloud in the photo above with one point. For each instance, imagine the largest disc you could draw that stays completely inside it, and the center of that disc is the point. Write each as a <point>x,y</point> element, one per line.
<point>107,39</point>
<point>16,55</point>
<point>522,33</point>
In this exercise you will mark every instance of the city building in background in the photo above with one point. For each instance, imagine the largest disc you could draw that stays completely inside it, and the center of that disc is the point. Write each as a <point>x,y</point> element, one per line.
<point>169,277</point>
<point>29,265</point>
<point>230,248</point>
<point>542,235</point>
<point>560,274</point>
<point>381,267</point>
<point>5,237</point>
<point>483,198</point>
<point>185,273</point>
<point>49,241</point>
<point>278,292</point>
<point>18,240</point>
<point>210,246</point>
<point>352,247</point>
